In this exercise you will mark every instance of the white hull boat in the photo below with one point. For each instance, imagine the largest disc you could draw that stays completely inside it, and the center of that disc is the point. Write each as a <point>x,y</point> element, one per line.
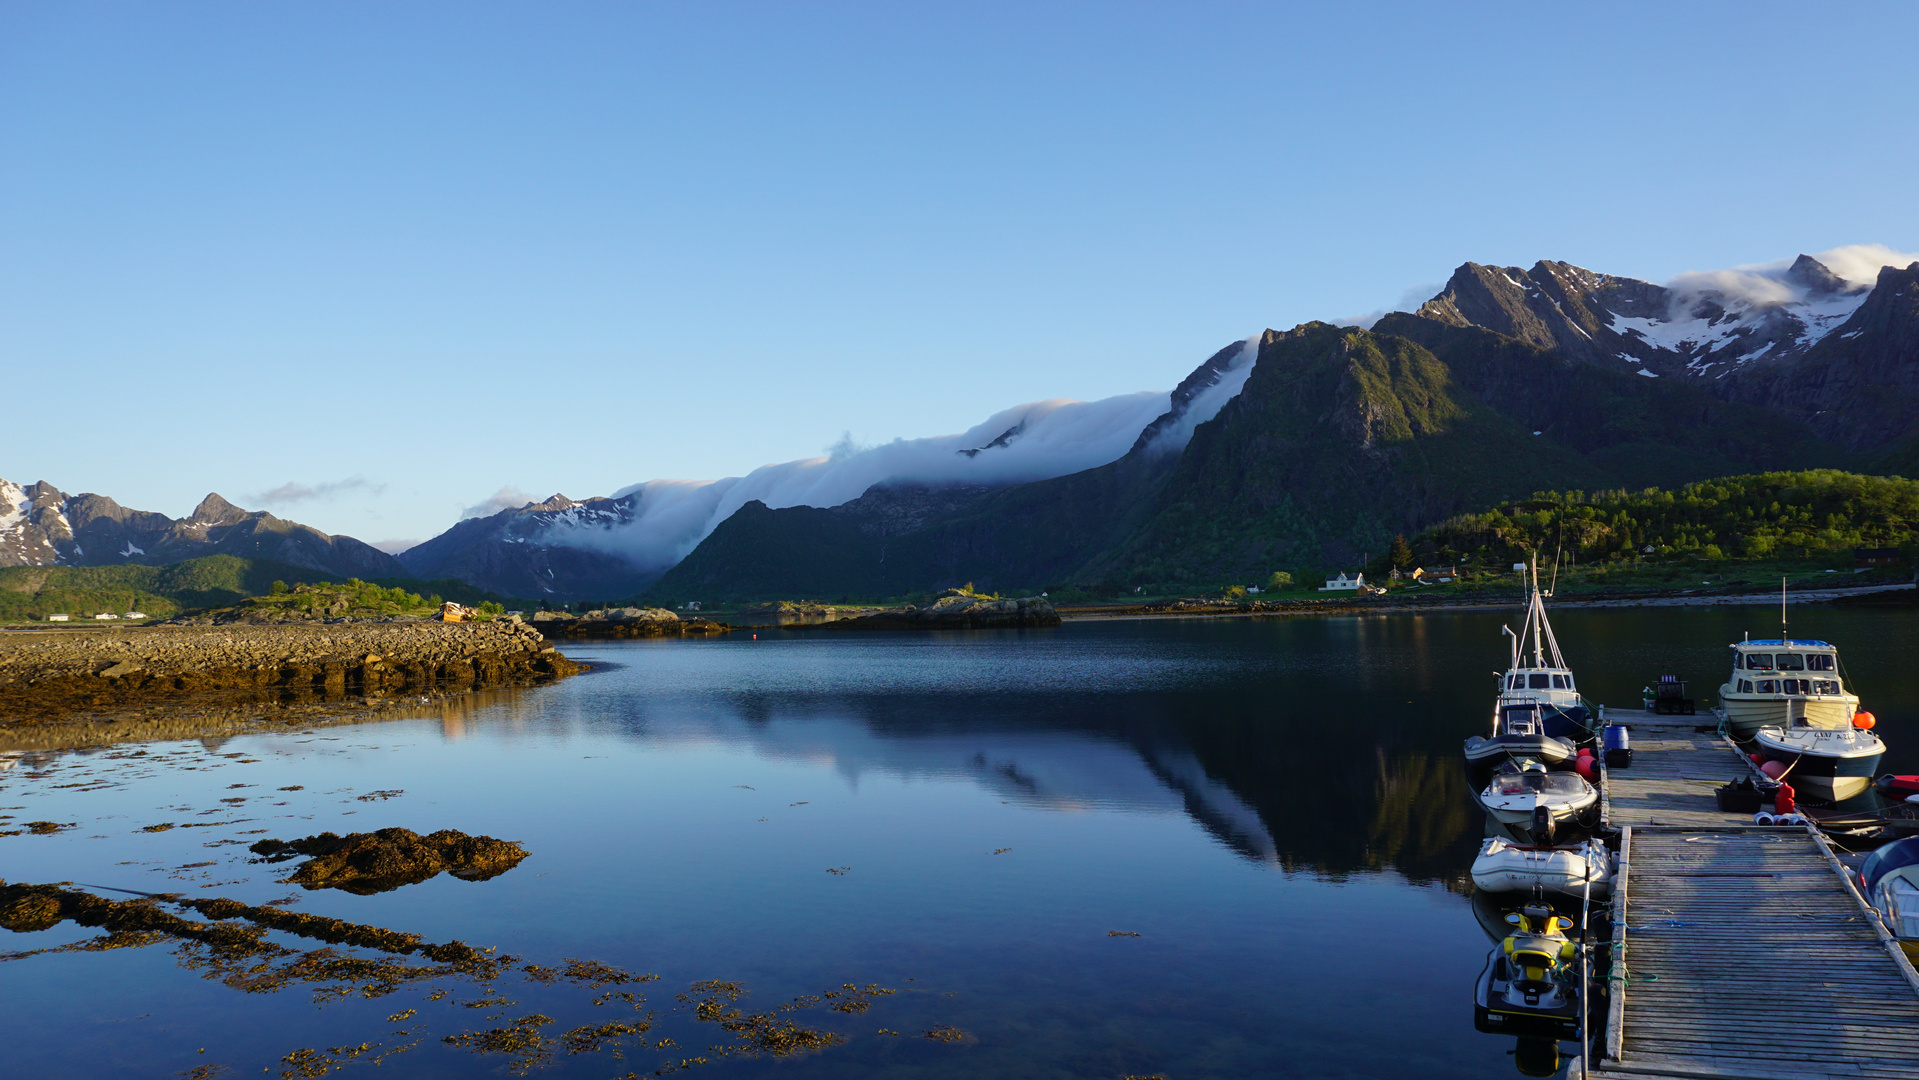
<point>1503,866</point>
<point>1834,764</point>
<point>1516,796</point>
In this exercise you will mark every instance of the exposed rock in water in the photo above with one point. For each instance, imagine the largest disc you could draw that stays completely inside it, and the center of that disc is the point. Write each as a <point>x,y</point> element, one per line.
<point>381,861</point>
<point>622,622</point>
<point>958,609</point>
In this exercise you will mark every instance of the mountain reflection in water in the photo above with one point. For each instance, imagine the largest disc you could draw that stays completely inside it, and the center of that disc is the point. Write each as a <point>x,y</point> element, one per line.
<point>1315,745</point>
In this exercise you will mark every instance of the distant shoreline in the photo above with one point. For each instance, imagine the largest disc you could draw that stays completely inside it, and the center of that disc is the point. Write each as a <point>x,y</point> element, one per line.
<point>1423,605</point>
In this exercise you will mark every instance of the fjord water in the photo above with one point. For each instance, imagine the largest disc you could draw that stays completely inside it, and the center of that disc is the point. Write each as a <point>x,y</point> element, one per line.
<point>1276,807</point>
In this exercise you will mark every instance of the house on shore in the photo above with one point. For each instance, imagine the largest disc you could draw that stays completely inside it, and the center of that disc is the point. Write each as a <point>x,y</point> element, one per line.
<point>1342,582</point>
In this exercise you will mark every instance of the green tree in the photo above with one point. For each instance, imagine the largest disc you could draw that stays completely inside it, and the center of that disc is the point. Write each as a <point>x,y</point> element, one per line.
<point>1402,553</point>
<point>278,588</point>
<point>1280,580</point>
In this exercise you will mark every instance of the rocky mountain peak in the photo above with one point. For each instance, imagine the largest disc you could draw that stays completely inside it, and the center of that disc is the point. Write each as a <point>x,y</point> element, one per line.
<point>1813,276</point>
<point>556,502</point>
<point>214,510</point>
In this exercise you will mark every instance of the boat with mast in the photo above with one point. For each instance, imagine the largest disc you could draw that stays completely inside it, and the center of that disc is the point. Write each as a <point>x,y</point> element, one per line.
<point>1537,693</point>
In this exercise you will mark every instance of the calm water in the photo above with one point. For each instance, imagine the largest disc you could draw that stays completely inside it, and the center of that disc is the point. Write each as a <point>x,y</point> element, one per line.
<point>1276,808</point>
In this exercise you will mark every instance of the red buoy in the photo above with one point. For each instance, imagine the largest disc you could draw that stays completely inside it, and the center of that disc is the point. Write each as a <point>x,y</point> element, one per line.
<point>1863,720</point>
<point>1774,769</point>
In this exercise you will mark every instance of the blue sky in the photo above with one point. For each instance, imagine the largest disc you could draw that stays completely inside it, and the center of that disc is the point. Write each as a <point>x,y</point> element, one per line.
<point>402,255</point>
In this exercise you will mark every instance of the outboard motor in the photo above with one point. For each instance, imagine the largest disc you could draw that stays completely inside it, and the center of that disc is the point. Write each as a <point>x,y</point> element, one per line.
<point>1537,1057</point>
<point>1543,829</point>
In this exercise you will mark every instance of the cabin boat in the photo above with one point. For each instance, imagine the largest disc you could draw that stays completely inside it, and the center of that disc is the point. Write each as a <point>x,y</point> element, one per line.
<point>1785,683</point>
<point>1541,682</point>
<point>1889,879</point>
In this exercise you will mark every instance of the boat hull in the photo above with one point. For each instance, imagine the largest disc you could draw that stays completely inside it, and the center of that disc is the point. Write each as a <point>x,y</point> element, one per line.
<point>1484,755</point>
<point>1507,867</point>
<point>1829,765</point>
<point>1747,713</point>
<point>1517,810</point>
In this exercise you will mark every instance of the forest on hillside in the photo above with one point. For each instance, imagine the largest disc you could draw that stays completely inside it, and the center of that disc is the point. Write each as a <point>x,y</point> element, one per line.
<point>1821,513</point>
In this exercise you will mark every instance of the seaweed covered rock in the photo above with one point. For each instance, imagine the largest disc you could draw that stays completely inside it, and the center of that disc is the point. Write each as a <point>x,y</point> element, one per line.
<point>384,860</point>
<point>959,609</point>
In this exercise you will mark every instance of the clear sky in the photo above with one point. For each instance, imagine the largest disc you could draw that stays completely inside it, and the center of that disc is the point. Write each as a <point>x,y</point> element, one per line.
<point>387,258</point>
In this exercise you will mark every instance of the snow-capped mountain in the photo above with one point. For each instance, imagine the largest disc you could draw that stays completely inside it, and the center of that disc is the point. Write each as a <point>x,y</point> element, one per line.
<point>513,551</point>
<point>1709,327</point>
<point>42,526</point>
<point>1837,351</point>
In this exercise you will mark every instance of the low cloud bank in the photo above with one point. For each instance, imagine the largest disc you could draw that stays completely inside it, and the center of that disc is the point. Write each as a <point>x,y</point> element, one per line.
<point>1764,284</point>
<point>1035,441</point>
<point>507,498</point>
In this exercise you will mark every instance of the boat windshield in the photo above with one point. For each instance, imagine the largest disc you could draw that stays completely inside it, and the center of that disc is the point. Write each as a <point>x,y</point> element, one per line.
<point>1508,783</point>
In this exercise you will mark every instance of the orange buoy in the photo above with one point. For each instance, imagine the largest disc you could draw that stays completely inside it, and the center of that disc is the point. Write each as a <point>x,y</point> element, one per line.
<point>1863,720</point>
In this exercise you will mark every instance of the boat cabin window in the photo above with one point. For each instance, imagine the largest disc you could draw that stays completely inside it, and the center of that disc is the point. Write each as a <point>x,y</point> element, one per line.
<point>1754,661</point>
<point>1537,682</point>
<point>1519,682</point>
<point>1819,661</point>
<point>1560,682</point>
<point>1766,686</point>
<point>1825,686</point>
<point>1745,686</point>
<point>1786,661</point>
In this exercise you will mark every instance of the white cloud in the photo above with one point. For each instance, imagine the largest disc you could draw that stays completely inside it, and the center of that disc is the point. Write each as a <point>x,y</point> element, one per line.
<point>507,498</point>
<point>1410,300</point>
<point>295,492</point>
<point>1760,284</point>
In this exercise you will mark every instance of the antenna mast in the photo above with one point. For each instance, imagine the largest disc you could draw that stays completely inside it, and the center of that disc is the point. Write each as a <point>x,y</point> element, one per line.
<point>1537,617</point>
<point>1782,611</point>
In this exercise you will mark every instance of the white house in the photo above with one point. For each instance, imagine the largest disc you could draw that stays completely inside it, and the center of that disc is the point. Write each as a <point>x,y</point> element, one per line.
<point>106,615</point>
<point>134,615</point>
<point>1354,583</point>
<point>56,618</point>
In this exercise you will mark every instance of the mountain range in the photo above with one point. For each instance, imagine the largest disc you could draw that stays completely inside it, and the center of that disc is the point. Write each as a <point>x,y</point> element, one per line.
<point>42,526</point>
<point>1304,450</point>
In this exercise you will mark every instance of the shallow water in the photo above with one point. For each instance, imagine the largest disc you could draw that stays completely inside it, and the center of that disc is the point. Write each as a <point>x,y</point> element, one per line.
<point>1276,807</point>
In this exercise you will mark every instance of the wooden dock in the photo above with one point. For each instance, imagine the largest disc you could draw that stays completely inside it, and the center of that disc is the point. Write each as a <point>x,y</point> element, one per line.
<point>1739,951</point>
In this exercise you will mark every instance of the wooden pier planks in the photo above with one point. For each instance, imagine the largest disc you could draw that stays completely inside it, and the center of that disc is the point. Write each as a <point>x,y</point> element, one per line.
<point>1745,951</point>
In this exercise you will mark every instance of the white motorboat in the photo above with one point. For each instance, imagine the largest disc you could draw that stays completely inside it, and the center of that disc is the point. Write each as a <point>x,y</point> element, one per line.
<point>1826,763</point>
<point>1518,793</point>
<point>1503,866</point>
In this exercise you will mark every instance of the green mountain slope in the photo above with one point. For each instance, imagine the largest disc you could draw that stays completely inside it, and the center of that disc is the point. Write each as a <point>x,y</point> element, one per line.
<point>1340,439</point>
<point>31,592</point>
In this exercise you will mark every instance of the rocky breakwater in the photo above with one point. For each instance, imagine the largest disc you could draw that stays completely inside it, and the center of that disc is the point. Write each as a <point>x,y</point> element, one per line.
<point>957,609</point>
<point>227,677</point>
<point>623,622</point>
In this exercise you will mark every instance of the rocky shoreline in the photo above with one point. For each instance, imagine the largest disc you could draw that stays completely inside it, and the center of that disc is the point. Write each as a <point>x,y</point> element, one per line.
<point>82,688</point>
<point>957,610</point>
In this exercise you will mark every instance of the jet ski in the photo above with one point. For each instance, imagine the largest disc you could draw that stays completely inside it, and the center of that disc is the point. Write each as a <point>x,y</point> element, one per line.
<point>1503,866</point>
<point>1530,983</point>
